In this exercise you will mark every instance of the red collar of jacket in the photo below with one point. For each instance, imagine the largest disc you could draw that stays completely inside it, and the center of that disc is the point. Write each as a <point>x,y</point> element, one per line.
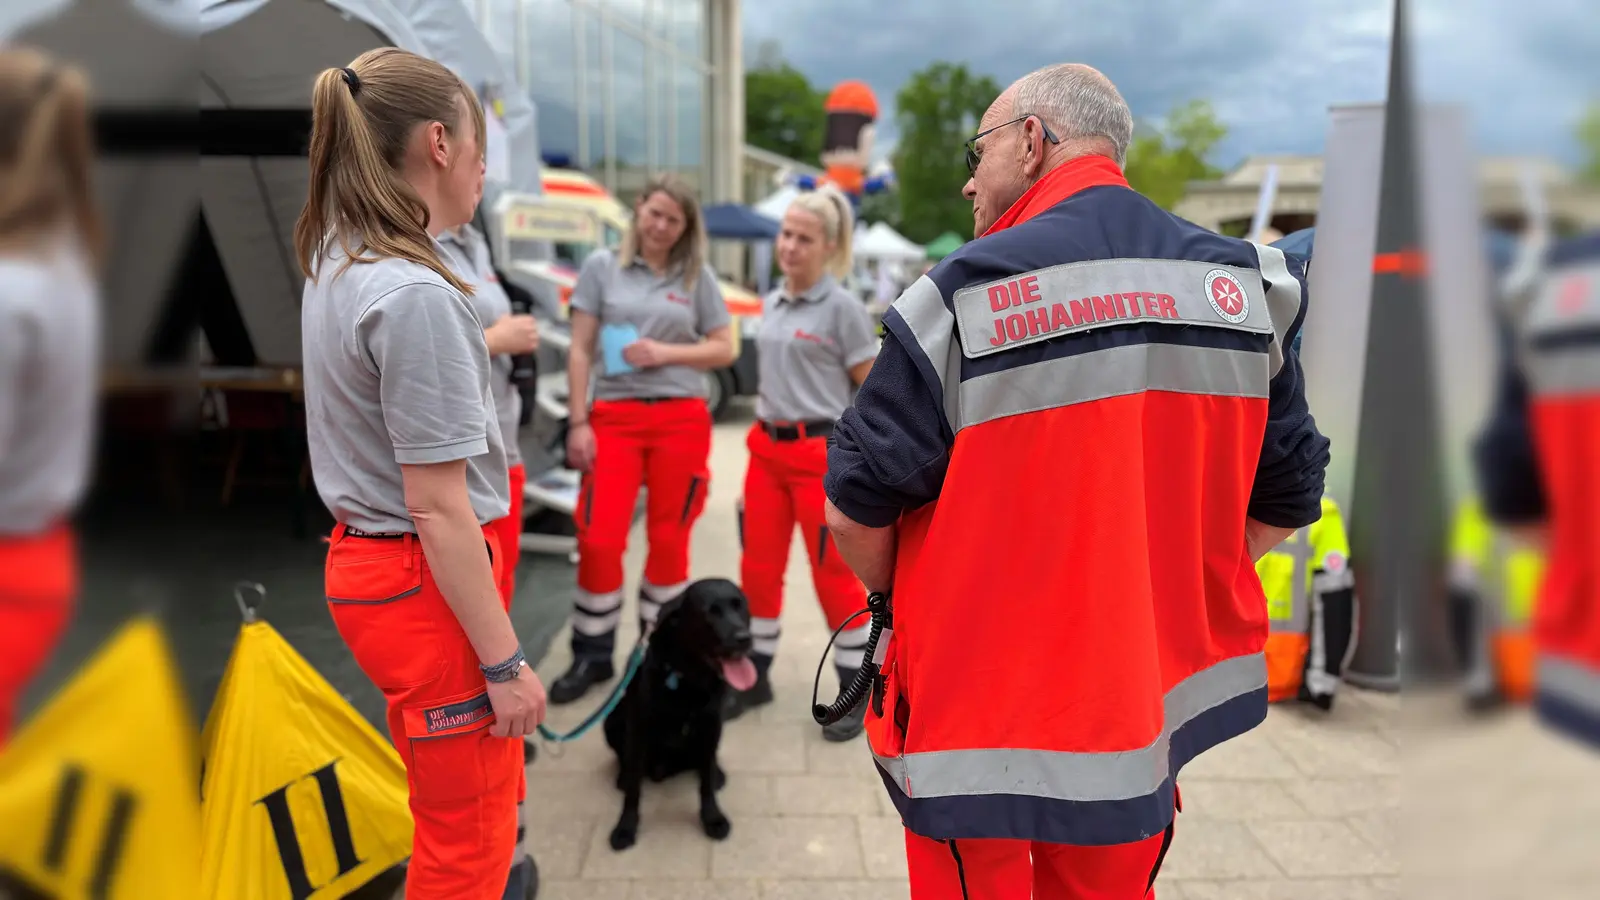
<point>1057,185</point>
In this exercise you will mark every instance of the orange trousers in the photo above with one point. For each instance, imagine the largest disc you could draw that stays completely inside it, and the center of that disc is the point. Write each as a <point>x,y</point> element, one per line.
<point>1019,870</point>
<point>662,446</point>
<point>1286,665</point>
<point>783,488</point>
<point>508,531</point>
<point>464,784</point>
<point>38,584</point>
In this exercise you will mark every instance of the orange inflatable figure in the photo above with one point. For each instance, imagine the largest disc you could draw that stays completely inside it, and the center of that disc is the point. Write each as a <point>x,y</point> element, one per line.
<point>851,110</point>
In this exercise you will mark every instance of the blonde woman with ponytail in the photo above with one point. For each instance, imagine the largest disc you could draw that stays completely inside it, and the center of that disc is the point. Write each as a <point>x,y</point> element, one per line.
<point>49,354</point>
<point>407,454</point>
<point>816,346</point>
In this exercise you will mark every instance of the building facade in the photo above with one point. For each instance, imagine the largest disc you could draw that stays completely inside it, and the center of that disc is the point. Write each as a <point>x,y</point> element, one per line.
<point>1228,204</point>
<point>624,89</point>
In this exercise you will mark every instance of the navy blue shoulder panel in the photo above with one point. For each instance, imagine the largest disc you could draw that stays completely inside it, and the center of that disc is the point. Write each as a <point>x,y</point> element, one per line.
<point>1580,249</point>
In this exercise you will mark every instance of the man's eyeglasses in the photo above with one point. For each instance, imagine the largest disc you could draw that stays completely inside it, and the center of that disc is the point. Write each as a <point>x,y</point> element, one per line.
<point>974,156</point>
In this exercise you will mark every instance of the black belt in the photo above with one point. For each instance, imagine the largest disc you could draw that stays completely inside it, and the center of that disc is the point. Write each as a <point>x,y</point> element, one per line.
<point>797,431</point>
<point>650,399</point>
<point>358,533</point>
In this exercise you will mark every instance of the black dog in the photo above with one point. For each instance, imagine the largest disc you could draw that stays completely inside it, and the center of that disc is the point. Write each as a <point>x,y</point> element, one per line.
<point>670,719</point>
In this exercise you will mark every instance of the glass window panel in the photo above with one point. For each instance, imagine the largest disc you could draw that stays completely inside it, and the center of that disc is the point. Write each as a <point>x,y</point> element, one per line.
<point>552,72</point>
<point>499,27</point>
<point>629,11</point>
<point>689,26</point>
<point>594,149</point>
<point>689,122</point>
<point>631,110</point>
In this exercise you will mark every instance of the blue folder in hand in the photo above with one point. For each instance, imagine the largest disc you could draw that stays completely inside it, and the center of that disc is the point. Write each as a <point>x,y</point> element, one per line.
<point>612,339</point>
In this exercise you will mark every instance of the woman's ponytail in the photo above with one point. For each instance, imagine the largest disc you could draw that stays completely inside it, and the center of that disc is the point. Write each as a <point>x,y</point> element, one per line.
<point>363,116</point>
<point>841,260</point>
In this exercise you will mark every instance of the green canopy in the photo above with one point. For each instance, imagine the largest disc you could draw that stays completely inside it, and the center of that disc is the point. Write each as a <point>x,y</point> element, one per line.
<point>944,245</point>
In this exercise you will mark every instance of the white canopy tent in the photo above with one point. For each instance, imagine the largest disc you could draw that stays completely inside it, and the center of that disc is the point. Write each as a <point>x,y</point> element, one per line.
<point>252,57</point>
<point>264,55</point>
<point>880,242</point>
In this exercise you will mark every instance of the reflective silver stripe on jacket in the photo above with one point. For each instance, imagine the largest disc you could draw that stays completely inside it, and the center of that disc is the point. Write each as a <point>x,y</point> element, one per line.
<point>1062,775</point>
<point>1298,548</point>
<point>1570,681</point>
<point>1566,301</point>
<point>1079,297</point>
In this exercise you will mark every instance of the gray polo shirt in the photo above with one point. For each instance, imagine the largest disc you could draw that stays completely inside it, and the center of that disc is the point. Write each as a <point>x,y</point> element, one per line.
<point>49,378</point>
<point>808,345</point>
<point>469,259</point>
<point>396,373</point>
<point>661,308</point>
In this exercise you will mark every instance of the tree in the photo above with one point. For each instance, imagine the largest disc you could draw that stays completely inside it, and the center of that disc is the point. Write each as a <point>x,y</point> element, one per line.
<point>1163,160</point>
<point>1589,141</point>
<point>936,111</point>
<point>883,206</point>
<point>782,111</point>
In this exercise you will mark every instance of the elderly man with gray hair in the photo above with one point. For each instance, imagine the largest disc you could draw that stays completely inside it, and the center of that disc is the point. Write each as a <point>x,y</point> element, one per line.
<point>1082,430</point>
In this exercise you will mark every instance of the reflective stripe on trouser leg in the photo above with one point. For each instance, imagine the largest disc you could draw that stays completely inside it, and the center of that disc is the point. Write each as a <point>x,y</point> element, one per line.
<point>594,623</point>
<point>765,634</point>
<point>654,596</point>
<point>850,650</point>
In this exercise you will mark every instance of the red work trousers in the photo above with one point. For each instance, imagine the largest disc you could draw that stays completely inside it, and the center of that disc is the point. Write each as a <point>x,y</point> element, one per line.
<point>38,582</point>
<point>509,532</point>
<point>463,782</point>
<point>663,446</point>
<point>783,488</point>
<point>1019,870</point>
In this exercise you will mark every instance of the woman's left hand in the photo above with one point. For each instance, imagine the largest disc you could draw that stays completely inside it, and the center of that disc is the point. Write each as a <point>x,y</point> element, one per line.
<point>647,354</point>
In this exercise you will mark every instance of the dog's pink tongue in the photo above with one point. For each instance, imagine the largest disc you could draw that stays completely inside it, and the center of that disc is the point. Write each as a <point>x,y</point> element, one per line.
<point>740,674</point>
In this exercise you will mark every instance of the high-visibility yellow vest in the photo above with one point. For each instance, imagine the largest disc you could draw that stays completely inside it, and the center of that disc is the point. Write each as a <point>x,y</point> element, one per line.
<point>1314,561</point>
<point>1503,579</point>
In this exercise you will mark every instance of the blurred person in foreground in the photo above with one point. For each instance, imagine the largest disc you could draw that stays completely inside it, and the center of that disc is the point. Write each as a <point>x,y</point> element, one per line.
<point>406,453</point>
<point>1539,472</point>
<point>50,248</point>
<point>1081,431</point>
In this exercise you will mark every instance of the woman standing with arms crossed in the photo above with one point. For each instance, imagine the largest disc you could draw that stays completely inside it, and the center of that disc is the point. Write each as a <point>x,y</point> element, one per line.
<point>816,345</point>
<point>507,334</point>
<point>649,424</point>
<point>407,454</point>
<point>49,355</point>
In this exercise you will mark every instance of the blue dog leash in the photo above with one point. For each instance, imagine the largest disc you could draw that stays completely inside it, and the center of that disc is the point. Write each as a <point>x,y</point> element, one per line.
<point>635,662</point>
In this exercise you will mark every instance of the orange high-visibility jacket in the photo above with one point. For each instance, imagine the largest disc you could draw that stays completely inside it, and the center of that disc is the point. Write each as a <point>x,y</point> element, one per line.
<point>1076,614</point>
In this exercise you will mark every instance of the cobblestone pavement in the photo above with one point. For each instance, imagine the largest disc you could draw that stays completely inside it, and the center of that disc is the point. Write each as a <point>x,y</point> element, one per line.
<point>1304,808</point>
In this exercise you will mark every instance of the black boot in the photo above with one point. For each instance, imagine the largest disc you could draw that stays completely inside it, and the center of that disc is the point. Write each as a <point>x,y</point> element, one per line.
<point>584,674</point>
<point>737,703</point>
<point>855,722</point>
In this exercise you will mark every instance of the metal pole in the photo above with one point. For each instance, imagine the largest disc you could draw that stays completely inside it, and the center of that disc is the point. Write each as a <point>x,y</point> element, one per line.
<point>1397,523</point>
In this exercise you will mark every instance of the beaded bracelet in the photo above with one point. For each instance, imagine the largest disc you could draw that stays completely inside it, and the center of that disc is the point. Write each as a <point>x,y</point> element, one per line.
<point>504,671</point>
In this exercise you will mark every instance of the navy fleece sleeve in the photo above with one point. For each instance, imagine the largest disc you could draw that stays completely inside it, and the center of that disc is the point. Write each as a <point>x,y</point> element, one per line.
<point>889,450</point>
<point>1508,470</point>
<point>1294,455</point>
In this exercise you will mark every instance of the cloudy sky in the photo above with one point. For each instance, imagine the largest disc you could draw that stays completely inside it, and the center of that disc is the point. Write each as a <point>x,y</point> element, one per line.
<point>1524,68</point>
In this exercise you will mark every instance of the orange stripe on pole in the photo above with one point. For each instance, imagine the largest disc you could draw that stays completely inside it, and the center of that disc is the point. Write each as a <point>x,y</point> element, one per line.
<point>1408,263</point>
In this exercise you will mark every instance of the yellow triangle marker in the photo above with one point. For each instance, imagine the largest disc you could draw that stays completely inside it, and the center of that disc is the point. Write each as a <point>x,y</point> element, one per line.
<point>302,799</point>
<point>97,791</point>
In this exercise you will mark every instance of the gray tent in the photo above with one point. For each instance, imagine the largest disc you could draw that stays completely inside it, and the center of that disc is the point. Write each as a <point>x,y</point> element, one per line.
<point>251,64</point>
